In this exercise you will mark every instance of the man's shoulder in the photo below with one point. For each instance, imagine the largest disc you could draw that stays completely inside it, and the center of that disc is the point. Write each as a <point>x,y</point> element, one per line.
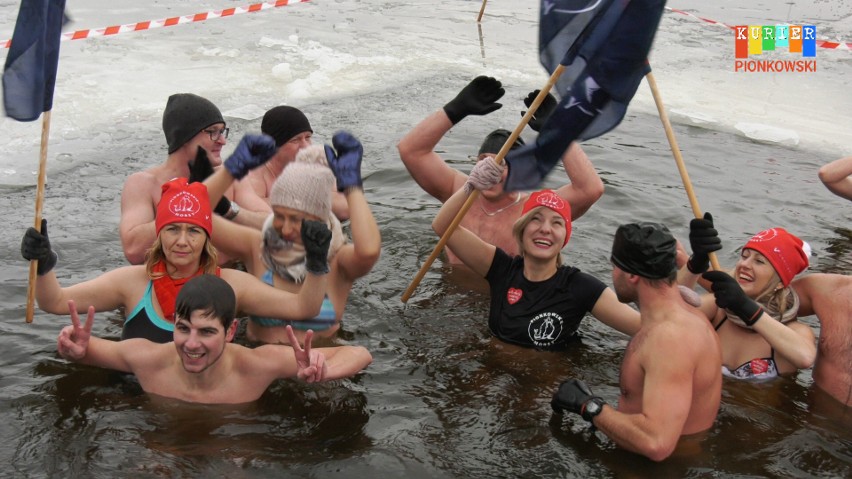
<point>142,180</point>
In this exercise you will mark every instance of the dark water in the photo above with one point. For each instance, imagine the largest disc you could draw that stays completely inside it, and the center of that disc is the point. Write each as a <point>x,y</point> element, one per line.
<point>442,398</point>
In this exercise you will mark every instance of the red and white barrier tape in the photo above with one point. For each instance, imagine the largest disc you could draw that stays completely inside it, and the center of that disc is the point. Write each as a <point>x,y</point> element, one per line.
<point>169,22</point>
<point>819,43</point>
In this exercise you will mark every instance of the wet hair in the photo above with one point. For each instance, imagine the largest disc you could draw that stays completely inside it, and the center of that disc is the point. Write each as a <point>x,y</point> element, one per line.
<point>209,258</point>
<point>209,294</point>
<point>518,231</point>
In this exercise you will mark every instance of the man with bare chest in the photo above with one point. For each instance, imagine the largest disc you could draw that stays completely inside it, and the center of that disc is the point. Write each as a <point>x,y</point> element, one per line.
<point>829,296</point>
<point>670,376</point>
<point>495,211</point>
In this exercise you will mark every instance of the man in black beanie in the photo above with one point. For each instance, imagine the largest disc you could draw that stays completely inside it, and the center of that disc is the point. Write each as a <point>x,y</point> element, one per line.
<point>292,132</point>
<point>189,122</point>
<point>496,210</point>
<point>671,375</point>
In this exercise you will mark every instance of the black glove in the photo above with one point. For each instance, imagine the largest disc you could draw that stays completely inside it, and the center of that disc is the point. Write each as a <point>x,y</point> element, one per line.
<point>477,98</point>
<point>253,151</point>
<point>36,246</point>
<point>316,238</point>
<point>729,295</point>
<point>703,239</point>
<point>346,163</point>
<point>572,396</point>
<point>199,170</point>
<point>543,112</point>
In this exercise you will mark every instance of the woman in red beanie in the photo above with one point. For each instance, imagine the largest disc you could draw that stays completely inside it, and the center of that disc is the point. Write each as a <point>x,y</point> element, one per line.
<point>755,310</point>
<point>181,251</point>
<point>536,301</point>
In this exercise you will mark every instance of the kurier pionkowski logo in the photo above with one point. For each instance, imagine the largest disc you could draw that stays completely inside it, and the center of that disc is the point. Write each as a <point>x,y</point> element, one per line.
<point>758,39</point>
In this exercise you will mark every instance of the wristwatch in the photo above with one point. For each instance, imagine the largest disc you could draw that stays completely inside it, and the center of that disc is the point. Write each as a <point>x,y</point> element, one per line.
<point>592,408</point>
<point>233,211</point>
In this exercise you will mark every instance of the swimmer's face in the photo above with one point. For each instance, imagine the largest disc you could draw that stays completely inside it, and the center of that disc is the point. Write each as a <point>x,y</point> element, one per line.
<point>287,151</point>
<point>288,222</point>
<point>624,289</point>
<point>201,341</point>
<point>754,272</point>
<point>544,235</point>
<point>183,243</point>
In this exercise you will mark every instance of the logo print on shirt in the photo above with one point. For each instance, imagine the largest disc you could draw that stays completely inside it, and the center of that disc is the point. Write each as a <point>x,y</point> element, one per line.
<point>545,329</point>
<point>514,295</point>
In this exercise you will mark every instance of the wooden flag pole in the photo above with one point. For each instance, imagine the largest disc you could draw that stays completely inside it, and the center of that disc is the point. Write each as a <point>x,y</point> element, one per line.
<point>481,10</point>
<point>42,174</point>
<point>687,184</point>
<point>474,194</point>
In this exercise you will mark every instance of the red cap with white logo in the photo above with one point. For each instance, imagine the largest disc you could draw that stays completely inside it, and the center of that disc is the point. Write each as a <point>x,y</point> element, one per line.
<point>184,202</point>
<point>549,199</point>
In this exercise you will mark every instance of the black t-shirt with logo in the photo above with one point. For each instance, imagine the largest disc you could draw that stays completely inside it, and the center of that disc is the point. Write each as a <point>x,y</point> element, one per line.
<point>538,314</point>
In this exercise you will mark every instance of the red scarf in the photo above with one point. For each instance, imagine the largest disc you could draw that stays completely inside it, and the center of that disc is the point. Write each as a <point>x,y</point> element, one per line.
<point>167,288</point>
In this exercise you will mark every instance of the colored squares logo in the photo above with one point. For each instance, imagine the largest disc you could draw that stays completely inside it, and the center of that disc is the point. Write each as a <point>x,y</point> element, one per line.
<point>756,39</point>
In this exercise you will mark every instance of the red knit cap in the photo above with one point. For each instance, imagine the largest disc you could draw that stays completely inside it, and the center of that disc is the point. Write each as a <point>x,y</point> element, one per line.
<point>549,199</point>
<point>184,202</point>
<point>784,251</point>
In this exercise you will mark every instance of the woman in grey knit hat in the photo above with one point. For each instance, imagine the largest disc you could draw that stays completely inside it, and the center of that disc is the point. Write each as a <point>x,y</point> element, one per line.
<point>275,254</point>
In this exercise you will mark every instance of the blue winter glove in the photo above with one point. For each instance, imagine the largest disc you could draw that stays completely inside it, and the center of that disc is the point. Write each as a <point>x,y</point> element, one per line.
<point>199,170</point>
<point>316,237</point>
<point>346,162</point>
<point>36,245</point>
<point>253,151</point>
<point>542,112</point>
<point>730,295</point>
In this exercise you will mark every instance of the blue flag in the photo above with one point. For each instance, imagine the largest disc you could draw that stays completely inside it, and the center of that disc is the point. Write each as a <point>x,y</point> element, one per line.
<point>30,71</point>
<point>604,47</point>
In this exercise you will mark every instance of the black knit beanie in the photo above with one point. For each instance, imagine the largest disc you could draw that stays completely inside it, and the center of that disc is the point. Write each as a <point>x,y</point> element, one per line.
<point>186,115</point>
<point>283,123</point>
<point>495,140</point>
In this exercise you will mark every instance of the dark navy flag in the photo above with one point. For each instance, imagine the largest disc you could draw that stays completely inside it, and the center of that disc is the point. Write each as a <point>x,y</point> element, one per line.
<point>604,47</point>
<point>30,71</point>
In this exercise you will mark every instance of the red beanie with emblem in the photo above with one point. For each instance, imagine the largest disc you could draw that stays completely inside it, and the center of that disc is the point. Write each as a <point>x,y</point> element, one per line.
<point>549,199</point>
<point>184,202</point>
<point>784,251</point>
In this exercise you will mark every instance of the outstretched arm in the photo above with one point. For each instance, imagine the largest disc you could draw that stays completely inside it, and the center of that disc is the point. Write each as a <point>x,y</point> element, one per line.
<point>75,343</point>
<point>586,186</point>
<point>836,177</point>
<point>615,314</point>
<point>479,97</point>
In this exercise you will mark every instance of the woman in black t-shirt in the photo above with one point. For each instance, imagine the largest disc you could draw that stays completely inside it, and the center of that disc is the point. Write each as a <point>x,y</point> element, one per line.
<point>536,301</point>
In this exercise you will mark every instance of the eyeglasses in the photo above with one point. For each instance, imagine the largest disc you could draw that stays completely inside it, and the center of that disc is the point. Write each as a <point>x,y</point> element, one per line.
<point>215,134</point>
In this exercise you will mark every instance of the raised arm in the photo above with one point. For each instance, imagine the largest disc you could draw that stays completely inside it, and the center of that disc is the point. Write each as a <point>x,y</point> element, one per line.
<point>473,251</point>
<point>417,148</point>
<point>585,187</point>
<point>238,241</point>
<point>417,151</point>
<point>836,177</point>
<point>344,159</point>
<point>138,209</point>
